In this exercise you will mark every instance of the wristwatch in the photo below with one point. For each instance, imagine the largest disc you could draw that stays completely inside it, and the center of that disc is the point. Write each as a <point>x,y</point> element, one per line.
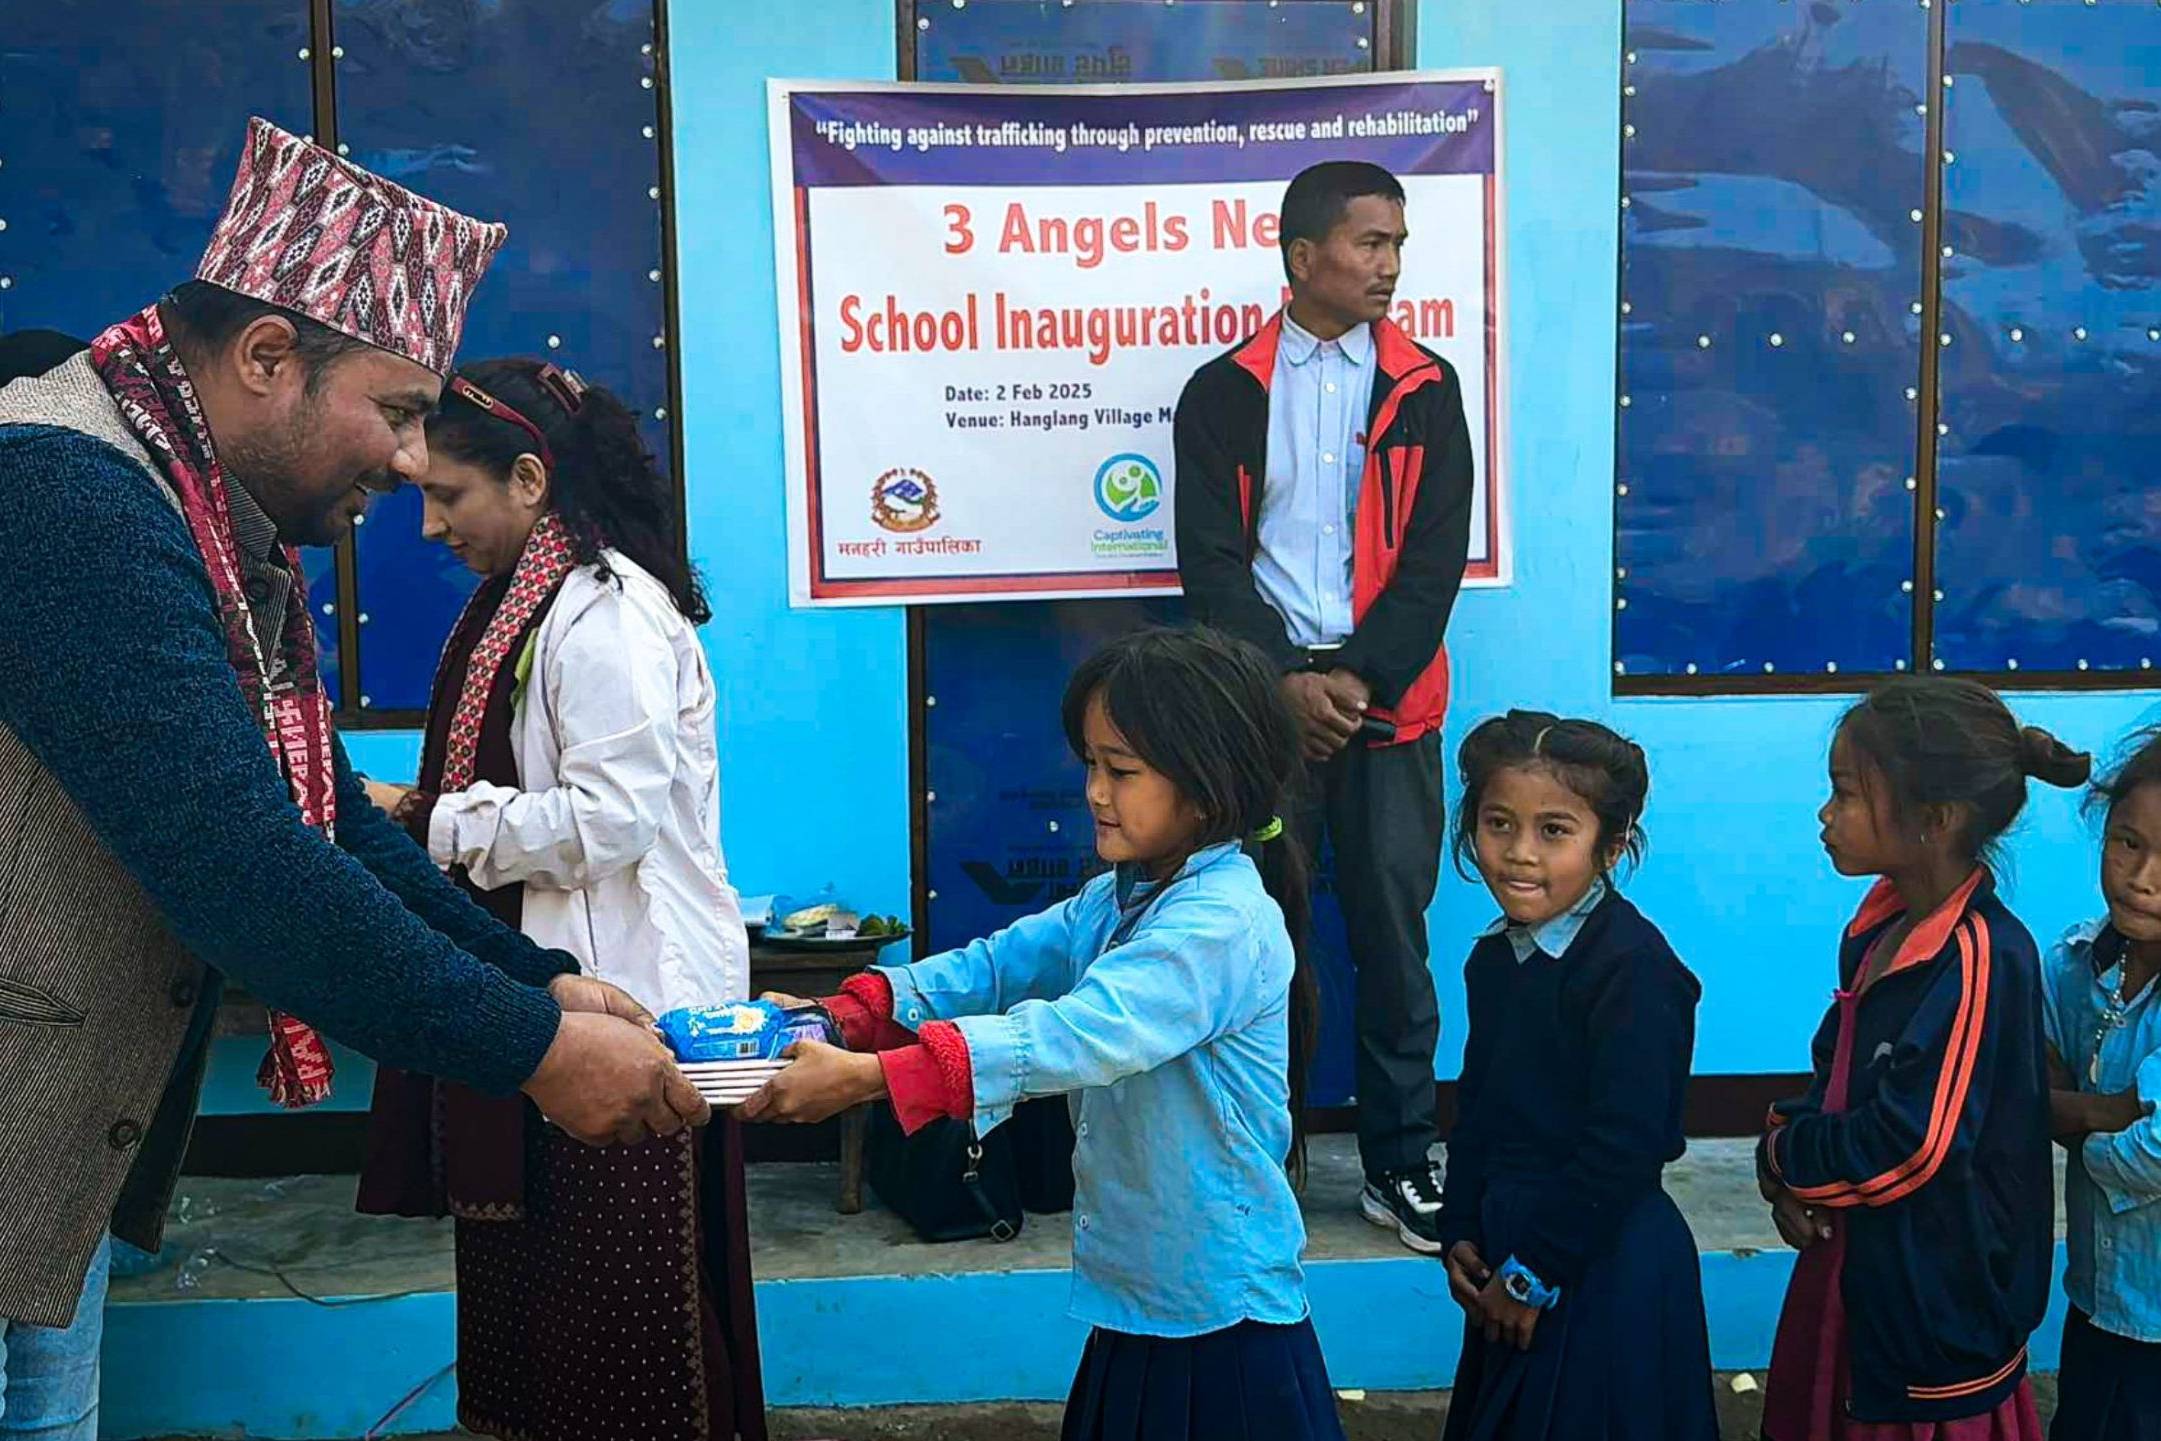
<point>1523,1287</point>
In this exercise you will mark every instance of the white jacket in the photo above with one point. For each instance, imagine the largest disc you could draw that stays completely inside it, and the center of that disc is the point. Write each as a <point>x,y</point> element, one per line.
<point>615,827</point>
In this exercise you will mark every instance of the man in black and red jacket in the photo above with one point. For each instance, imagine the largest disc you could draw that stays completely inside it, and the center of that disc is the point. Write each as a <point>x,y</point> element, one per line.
<point>1323,511</point>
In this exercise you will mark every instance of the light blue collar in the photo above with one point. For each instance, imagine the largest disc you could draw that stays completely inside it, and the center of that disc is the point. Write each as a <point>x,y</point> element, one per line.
<point>1554,937</point>
<point>1300,345</point>
<point>1134,887</point>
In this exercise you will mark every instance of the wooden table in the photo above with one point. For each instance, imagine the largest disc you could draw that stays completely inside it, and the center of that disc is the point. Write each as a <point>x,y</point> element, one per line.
<point>811,974</point>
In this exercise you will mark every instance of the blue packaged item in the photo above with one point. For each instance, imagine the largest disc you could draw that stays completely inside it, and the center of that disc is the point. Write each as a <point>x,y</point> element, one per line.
<point>742,1031</point>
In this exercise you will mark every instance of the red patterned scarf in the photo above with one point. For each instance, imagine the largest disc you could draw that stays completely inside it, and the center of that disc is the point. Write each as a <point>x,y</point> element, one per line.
<point>138,364</point>
<point>542,565</point>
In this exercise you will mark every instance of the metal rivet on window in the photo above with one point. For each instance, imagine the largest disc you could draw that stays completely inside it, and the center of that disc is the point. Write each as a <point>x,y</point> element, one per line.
<point>930,700</point>
<point>1939,513</point>
<point>653,275</point>
<point>2082,665</point>
<point>1900,663</point>
<point>2080,333</point>
<point>646,82</point>
<point>923,23</point>
<point>7,282</point>
<point>1906,586</point>
<point>929,796</point>
<point>1945,338</point>
<point>1627,309</point>
<point>660,342</point>
<point>344,149</point>
<point>306,53</point>
<point>1938,594</point>
<point>1622,488</point>
<point>1629,90</point>
<point>2145,663</point>
<point>366,701</point>
<point>652,192</point>
<point>1950,157</point>
<point>1947,82</point>
<point>1942,429</point>
<point>1921,109</point>
<point>646,49</point>
<point>1363,42</point>
<point>2010,665</point>
<point>1777,340</point>
<point>1621,604</point>
<point>1631,57</point>
<point>2018,336</point>
<point>1917,217</point>
<point>1938,664</point>
<point>1768,668</point>
<point>337,52</point>
<point>649,132</point>
<point>2154,334</point>
<point>555,342</point>
<point>1949,253</point>
<point>360,520</point>
<point>1619,669</point>
<point>1628,131</point>
<point>330,607</point>
<point>1703,342</point>
<point>1624,202</point>
<point>661,413</point>
<point>1691,667</point>
<point>1831,666</point>
<point>1912,394</point>
<point>1054,827</point>
<point>1626,401</point>
<point>1912,484</point>
<point>1917,307</point>
<point>1849,337</point>
<point>363,617</point>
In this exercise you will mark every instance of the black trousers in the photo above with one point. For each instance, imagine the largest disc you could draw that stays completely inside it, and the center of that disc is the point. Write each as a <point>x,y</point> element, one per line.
<point>1381,808</point>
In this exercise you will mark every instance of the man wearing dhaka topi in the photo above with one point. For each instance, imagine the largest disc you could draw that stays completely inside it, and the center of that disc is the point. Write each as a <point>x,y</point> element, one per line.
<point>176,808</point>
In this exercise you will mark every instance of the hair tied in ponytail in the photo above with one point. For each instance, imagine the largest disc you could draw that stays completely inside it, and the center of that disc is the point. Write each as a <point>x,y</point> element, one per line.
<point>2049,760</point>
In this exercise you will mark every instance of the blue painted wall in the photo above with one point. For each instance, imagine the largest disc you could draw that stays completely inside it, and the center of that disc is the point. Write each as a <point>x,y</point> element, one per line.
<point>814,703</point>
<point>1735,876</point>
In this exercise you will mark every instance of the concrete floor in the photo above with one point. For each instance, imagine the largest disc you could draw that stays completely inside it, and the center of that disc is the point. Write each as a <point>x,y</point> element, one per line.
<point>236,1239</point>
<point>230,1239</point>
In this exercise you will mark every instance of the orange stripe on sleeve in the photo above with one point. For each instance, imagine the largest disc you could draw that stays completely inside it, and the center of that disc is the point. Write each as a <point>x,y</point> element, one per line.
<point>1952,1083</point>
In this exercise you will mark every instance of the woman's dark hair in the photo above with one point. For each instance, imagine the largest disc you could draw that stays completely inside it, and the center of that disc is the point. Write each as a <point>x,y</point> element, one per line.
<point>2141,766</point>
<point>1605,768</point>
<point>1942,741</point>
<point>1207,711</point>
<point>1320,195</point>
<point>605,485</point>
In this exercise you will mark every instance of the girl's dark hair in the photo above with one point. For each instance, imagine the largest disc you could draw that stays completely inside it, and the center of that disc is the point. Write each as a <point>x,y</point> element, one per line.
<point>1207,710</point>
<point>1605,768</point>
<point>1942,741</point>
<point>605,485</point>
<point>2141,766</point>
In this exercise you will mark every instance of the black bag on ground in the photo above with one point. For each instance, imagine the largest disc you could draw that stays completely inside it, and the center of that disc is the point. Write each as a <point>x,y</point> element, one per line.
<point>944,1184</point>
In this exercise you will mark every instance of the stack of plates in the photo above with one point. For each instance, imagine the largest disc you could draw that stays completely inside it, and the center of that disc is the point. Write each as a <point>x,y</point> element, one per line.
<point>730,1083</point>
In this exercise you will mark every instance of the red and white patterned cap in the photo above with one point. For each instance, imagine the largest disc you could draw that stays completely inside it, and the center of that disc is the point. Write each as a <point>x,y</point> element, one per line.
<point>318,235</point>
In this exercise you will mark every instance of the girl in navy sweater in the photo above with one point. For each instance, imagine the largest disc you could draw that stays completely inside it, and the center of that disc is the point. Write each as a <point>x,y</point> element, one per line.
<point>1576,1273</point>
<point>1915,1174</point>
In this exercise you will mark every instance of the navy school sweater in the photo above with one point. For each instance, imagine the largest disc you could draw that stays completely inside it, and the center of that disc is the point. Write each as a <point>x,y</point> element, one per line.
<point>1574,1075</point>
<point>113,671</point>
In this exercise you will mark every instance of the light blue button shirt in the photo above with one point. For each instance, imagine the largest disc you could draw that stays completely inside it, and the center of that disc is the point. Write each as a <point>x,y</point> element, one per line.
<point>1317,409</point>
<point>1553,937</point>
<point>1168,1012</point>
<point>2112,1187</point>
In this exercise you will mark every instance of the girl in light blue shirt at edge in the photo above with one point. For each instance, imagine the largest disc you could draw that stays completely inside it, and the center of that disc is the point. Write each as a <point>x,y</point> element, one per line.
<point>2104,1030</point>
<point>1169,997</point>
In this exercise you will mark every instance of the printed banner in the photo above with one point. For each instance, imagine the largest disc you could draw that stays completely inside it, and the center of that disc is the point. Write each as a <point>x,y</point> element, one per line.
<point>990,300</point>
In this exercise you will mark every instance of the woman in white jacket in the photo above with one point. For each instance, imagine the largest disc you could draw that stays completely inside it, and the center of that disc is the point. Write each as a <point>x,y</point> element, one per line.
<point>570,781</point>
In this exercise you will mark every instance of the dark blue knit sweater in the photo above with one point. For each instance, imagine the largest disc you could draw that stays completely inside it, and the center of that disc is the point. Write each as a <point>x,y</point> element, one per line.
<point>113,672</point>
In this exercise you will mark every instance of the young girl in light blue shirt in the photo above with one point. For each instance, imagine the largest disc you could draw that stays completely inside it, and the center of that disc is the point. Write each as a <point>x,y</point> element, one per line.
<point>1169,998</point>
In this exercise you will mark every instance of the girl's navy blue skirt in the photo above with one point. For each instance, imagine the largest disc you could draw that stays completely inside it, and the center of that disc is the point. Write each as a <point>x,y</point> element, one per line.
<point>1623,1356</point>
<point>1250,1382</point>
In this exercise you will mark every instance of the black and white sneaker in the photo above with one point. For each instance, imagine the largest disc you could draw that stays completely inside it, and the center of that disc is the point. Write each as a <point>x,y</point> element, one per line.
<point>1409,1201</point>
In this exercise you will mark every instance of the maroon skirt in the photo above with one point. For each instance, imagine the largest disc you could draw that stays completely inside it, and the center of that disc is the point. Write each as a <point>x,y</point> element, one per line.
<point>619,1308</point>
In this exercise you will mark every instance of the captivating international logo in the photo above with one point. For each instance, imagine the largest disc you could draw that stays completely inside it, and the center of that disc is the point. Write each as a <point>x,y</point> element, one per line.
<point>904,500</point>
<point>1129,488</point>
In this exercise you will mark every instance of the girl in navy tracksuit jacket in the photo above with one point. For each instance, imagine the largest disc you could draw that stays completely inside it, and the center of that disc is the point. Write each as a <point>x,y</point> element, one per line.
<point>1915,1174</point>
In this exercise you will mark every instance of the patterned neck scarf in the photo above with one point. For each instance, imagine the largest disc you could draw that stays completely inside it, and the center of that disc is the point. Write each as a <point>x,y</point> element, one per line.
<point>138,364</point>
<point>542,565</point>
